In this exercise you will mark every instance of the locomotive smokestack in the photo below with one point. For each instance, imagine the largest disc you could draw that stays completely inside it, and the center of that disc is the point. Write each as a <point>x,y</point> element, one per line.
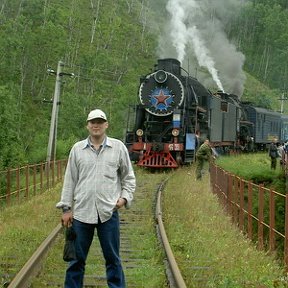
<point>171,65</point>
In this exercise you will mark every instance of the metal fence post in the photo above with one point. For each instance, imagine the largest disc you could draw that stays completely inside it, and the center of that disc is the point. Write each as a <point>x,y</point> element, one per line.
<point>250,219</point>
<point>18,183</point>
<point>241,206</point>
<point>27,181</point>
<point>271,220</point>
<point>8,187</point>
<point>286,234</point>
<point>260,217</point>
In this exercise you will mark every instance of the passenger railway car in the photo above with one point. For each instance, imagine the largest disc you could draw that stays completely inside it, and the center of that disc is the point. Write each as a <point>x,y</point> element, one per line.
<point>266,125</point>
<point>284,128</point>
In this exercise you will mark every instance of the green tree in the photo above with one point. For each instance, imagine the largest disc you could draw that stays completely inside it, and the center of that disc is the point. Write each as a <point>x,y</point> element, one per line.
<point>11,149</point>
<point>106,44</point>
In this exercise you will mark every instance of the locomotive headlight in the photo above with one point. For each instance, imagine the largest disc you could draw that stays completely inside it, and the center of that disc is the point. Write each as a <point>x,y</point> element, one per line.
<point>176,118</point>
<point>175,132</point>
<point>139,132</point>
<point>160,76</point>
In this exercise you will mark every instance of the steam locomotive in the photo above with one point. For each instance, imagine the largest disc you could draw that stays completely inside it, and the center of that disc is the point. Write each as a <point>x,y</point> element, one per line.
<point>176,112</point>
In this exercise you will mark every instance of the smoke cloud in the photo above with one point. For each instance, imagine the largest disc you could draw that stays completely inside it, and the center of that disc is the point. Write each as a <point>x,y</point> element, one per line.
<point>194,34</point>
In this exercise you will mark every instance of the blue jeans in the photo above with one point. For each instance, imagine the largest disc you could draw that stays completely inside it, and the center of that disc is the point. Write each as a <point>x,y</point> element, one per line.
<point>109,237</point>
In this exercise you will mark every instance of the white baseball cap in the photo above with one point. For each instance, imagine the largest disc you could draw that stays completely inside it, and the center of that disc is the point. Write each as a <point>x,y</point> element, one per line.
<point>97,113</point>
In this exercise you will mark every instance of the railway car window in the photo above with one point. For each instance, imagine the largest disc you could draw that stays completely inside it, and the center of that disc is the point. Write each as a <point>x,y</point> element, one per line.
<point>278,126</point>
<point>224,106</point>
<point>274,126</point>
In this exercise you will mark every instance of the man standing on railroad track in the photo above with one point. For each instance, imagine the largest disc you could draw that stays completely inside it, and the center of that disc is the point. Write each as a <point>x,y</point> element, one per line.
<point>99,180</point>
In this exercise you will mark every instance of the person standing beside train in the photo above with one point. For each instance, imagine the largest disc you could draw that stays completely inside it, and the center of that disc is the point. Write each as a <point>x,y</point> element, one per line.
<point>203,154</point>
<point>99,180</point>
<point>280,150</point>
<point>273,154</point>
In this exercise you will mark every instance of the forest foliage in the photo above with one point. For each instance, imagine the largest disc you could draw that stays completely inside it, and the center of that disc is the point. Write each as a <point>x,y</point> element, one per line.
<point>103,42</point>
<point>107,45</point>
<point>261,33</point>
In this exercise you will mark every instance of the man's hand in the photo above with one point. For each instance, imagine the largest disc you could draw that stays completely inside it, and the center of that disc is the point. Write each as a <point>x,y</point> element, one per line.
<point>67,219</point>
<point>120,203</point>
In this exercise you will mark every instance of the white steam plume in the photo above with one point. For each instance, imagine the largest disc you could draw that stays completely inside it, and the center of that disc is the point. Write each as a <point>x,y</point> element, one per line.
<point>181,33</point>
<point>194,31</point>
<point>178,27</point>
<point>202,55</point>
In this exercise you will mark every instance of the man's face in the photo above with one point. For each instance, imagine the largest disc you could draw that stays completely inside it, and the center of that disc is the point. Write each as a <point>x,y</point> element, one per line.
<point>97,127</point>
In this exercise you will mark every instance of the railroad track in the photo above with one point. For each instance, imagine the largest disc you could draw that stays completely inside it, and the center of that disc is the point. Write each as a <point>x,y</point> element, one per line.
<point>49,267</point>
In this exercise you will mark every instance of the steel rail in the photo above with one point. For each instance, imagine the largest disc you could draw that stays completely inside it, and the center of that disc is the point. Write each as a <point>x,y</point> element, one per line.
<point>179,282</point>
<point>21,280</point>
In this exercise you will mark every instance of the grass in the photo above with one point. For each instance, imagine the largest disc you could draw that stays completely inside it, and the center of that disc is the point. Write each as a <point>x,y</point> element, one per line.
<point>28,223</point>
<point>211,251</point>
<point>24,227</point>
<point>256,168</point>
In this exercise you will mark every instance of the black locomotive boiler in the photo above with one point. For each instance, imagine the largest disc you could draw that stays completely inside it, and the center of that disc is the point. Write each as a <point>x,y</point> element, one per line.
<point>176,112</point>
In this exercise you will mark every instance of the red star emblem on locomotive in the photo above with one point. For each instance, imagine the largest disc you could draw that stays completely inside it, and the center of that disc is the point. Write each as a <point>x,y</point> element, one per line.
<point>161,98</point>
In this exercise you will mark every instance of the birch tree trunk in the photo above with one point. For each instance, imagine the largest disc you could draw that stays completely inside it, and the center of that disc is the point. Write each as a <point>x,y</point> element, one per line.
<point>20,99</point>
<point>267,63</point>
<point>143,17</point>
<point>45,12</point>
<point>95,19</point>
<point>19,9</point>
<point>3,6</point>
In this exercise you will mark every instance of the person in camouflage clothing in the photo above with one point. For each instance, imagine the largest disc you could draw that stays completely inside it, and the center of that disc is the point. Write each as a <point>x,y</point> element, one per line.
<point>204,153</point>
<point>273,153</point>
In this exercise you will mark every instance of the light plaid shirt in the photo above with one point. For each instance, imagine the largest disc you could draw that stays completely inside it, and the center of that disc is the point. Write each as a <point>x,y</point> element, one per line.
<point>95,180</point>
